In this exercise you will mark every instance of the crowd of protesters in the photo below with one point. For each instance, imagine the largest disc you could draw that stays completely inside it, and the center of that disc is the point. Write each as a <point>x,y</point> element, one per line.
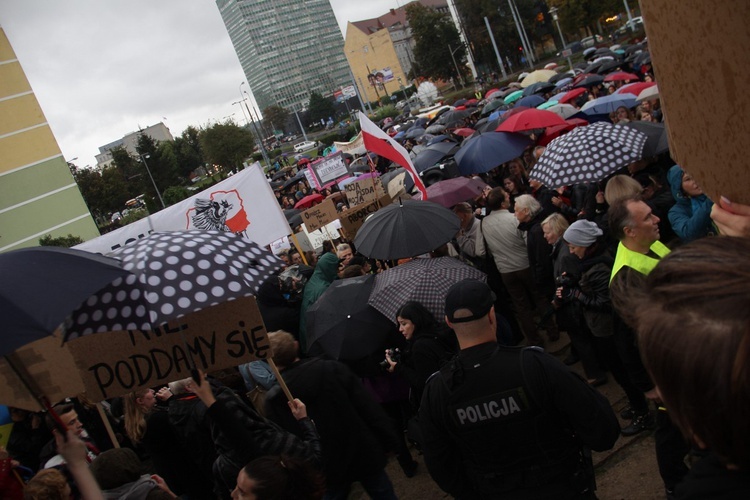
<point>632,269</point>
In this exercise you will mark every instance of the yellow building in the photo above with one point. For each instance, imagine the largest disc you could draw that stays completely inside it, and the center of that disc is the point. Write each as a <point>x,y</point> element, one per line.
<point>38,195</point>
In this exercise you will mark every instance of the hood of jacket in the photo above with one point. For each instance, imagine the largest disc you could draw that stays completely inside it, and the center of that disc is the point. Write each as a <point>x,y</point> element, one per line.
<point>674,177</point>
<point>327,268</point>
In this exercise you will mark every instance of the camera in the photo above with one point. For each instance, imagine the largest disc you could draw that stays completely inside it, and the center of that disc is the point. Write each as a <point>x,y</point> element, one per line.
<point>567,284</point>
<point>395,355</point>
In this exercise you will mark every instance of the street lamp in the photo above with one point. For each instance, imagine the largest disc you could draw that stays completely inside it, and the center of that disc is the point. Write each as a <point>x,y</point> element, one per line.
<point>458,73</point>
<point>158,193</point>
<point>553,13</point>
<point>255,127</point>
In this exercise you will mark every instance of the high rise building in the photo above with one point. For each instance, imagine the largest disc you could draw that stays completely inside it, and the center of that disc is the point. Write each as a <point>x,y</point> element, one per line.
<point>38,195</point>
<point>158,132</point>
<point>287,49</point>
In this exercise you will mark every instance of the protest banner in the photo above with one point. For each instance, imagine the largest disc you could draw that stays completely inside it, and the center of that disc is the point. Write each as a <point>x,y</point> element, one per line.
<point>354,147</point>
<point>328,170</point>
<point>319,215</point>
<point>363,191</point>
<point>353,218</point>
<point>243,203</point>
<point>114,363</point>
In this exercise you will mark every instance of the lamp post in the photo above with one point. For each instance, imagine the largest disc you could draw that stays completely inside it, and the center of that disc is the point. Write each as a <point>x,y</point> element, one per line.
<point>257,132</point>
<point>555,17</point>
<point>148,170</point>
<point>458,73</point>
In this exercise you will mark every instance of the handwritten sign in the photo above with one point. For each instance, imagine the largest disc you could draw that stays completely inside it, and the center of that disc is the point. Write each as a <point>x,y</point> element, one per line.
<point>352,219</point>
<point>319,215</point>
<point>364,191</point>
<point>115,363</point>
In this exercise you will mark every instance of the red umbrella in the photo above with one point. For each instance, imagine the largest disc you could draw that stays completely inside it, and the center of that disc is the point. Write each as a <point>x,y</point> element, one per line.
<point>464,132</point>
<point>309,200</point>
<point>490,92</point>
<point>572,94</point>
<point>471,102</point>
<point>635,88</point>
<point>530,119</point>
<point>459,108</point>
<point>556,131</point>
<point>579,78</point>
<point>303,161</point>
<point>618,76</point>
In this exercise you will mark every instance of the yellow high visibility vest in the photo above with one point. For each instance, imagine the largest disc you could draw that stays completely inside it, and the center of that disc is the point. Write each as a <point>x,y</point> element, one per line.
<point>638,261</point>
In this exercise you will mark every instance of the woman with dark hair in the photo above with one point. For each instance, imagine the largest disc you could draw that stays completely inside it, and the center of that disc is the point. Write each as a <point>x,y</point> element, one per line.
<point>428,346</point>
<point>515,187</point>
<point>279,477</point>
<point>588,288</point>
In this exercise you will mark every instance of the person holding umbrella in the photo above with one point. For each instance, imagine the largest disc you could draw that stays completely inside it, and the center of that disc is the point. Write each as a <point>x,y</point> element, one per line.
<point>428,346</point>
<point>325,272</point>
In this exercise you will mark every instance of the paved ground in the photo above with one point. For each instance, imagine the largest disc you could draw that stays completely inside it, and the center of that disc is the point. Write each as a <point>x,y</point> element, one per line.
<point>626,472</point>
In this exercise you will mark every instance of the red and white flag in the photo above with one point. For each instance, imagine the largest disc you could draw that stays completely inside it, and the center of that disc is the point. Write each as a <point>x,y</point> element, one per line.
<point>381,144</point>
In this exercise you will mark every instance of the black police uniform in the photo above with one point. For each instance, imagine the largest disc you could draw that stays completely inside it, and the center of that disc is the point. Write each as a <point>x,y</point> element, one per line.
<point>502,422</point>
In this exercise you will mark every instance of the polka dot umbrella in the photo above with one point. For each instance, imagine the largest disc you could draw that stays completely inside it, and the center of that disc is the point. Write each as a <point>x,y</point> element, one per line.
<point>173,274</point>
<point>588,154</point>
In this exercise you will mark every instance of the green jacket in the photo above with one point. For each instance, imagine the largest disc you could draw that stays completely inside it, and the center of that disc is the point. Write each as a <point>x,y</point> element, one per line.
<point>325,272</point>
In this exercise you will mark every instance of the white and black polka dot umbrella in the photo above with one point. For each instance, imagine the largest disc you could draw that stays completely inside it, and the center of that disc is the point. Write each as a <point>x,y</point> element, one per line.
<point>173,274</point>
<point>588,154</point>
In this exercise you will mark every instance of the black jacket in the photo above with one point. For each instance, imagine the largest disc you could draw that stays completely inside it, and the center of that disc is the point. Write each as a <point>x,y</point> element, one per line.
<point>540,256</point>
<point>423,356</point>
<point>354,431</point>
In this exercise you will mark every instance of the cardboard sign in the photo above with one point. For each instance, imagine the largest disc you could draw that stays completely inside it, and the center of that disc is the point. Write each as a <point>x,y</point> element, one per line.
<point>115,363</point>
<point>705,102</point>
<point>319,215</point>
<point>352,219</point>
<point>364,191</point>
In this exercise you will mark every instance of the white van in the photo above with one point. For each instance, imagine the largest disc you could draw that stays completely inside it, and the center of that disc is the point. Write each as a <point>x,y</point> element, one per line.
<point>305,146</point>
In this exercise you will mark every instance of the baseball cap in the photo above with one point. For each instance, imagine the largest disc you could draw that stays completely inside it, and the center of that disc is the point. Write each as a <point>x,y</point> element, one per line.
<point>473,295</point>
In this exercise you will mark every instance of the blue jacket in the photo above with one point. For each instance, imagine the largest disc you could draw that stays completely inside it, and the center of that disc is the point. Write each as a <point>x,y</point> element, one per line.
<point>690,216</point>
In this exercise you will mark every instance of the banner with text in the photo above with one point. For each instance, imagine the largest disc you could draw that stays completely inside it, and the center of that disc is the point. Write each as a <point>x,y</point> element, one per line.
<point>364,191</point>
<point>329,169</point>
<point>353,218</point>
<point>243,203</point>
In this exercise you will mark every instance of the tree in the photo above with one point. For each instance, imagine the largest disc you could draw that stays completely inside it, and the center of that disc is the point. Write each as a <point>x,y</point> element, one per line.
<point>434,34</point>
<point>188,152</point>
<point>227,145</point>
<point>577,14</point>
<point>276,117</point>
<point>320,108</point>
<point>61,241</point>
<point>175,194</point>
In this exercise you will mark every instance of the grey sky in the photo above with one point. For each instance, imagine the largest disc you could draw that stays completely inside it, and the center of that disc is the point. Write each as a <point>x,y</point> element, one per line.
<point>100,69</point>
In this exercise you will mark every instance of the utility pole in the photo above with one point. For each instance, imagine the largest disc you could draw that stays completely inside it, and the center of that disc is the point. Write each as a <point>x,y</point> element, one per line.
<point>494,46</point>
<point>458,73</point>
<point>521,33</point>
<point>553,12</point>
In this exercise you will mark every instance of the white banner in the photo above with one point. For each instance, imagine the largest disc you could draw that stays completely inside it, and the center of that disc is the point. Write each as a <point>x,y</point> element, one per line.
<point>243,203</point>
<point>354,147</point>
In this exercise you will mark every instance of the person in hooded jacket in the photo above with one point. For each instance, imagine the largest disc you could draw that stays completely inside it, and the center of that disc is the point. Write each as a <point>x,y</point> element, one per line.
<point>690,216</point>
<point>355,432</point>
<point>326,271</point>
<point>277,312</point>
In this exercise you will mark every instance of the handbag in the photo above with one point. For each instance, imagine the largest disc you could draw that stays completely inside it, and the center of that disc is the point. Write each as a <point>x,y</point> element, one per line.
<point>256,395</point>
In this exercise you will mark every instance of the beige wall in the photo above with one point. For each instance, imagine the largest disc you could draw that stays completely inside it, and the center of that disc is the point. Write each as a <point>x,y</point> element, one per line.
<point>373,51</point>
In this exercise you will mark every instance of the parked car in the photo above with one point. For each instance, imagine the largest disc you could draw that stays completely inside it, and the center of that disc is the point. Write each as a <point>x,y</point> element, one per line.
<point>305,146</point>
<point>574,47</point>
<point>590,41</point>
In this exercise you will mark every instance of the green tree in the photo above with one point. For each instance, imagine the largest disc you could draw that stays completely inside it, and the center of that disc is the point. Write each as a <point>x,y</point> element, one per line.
<point>227,145</point>
<point>60,241</point>
<point>434,34</point>
<point>320,108</point>
<point>275,117</point>
<point>188,152</point>
<point>577,14</point>
<point>175,194</point>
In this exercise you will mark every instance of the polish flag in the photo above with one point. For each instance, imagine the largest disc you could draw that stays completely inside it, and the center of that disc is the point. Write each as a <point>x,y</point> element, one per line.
<point>381,144</point>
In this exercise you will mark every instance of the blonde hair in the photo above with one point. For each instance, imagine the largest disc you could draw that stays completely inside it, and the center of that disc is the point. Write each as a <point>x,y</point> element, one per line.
<point>557,223</point>
<point>283,347</point>
<point>135,415</point>
<point>621,186</point>
<point>48,484</point>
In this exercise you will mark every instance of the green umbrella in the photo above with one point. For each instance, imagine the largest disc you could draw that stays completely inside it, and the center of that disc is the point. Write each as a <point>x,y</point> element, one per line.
<point>513,97</point>
<point>546,105</point>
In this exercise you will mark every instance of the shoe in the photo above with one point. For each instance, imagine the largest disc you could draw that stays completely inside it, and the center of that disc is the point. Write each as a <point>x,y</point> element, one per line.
<point>596,382</point>
<point>640,423</point>
<point>627,413</point>
<point>571,359</point>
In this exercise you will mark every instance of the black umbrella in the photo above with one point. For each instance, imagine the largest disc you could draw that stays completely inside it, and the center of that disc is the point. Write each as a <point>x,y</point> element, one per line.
<point>593,67</point>
<point>608,66</point>
<point>588,154</point>
<point>173,274</point>
<point>406,229</point>
<point>293,217</point>
<point>275,185</point>
<point>342,325</point>
<point>298,177</point>
<point>414,132</point>
<point>453,117</point>
<point>492,106</point>
<point>278,175</point>
<point>41,286</point>
<point>657,141</point>
<point>538,88</point>
<point>559,77</point>
<point>590,81</point>
<point>433,154</point>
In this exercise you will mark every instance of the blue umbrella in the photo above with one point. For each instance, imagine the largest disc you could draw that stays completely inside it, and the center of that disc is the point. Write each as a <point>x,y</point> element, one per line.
<point>399,136</point>
<point>488,150</point>
<point>530,101</point>
<point>439,138</point>
<point>609,103</point>
<point>414,132</point>
<point>497,114</point>
<point>563,82</point>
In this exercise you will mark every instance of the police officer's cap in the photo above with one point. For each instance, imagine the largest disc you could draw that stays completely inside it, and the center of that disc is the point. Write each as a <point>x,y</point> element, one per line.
<point>473,295</point>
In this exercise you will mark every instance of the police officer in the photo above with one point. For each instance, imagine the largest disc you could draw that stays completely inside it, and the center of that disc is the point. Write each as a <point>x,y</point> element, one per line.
<point>504,422</point>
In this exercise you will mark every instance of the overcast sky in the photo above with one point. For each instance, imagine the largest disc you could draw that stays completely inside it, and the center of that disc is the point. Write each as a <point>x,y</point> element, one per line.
<point>102,69</point>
